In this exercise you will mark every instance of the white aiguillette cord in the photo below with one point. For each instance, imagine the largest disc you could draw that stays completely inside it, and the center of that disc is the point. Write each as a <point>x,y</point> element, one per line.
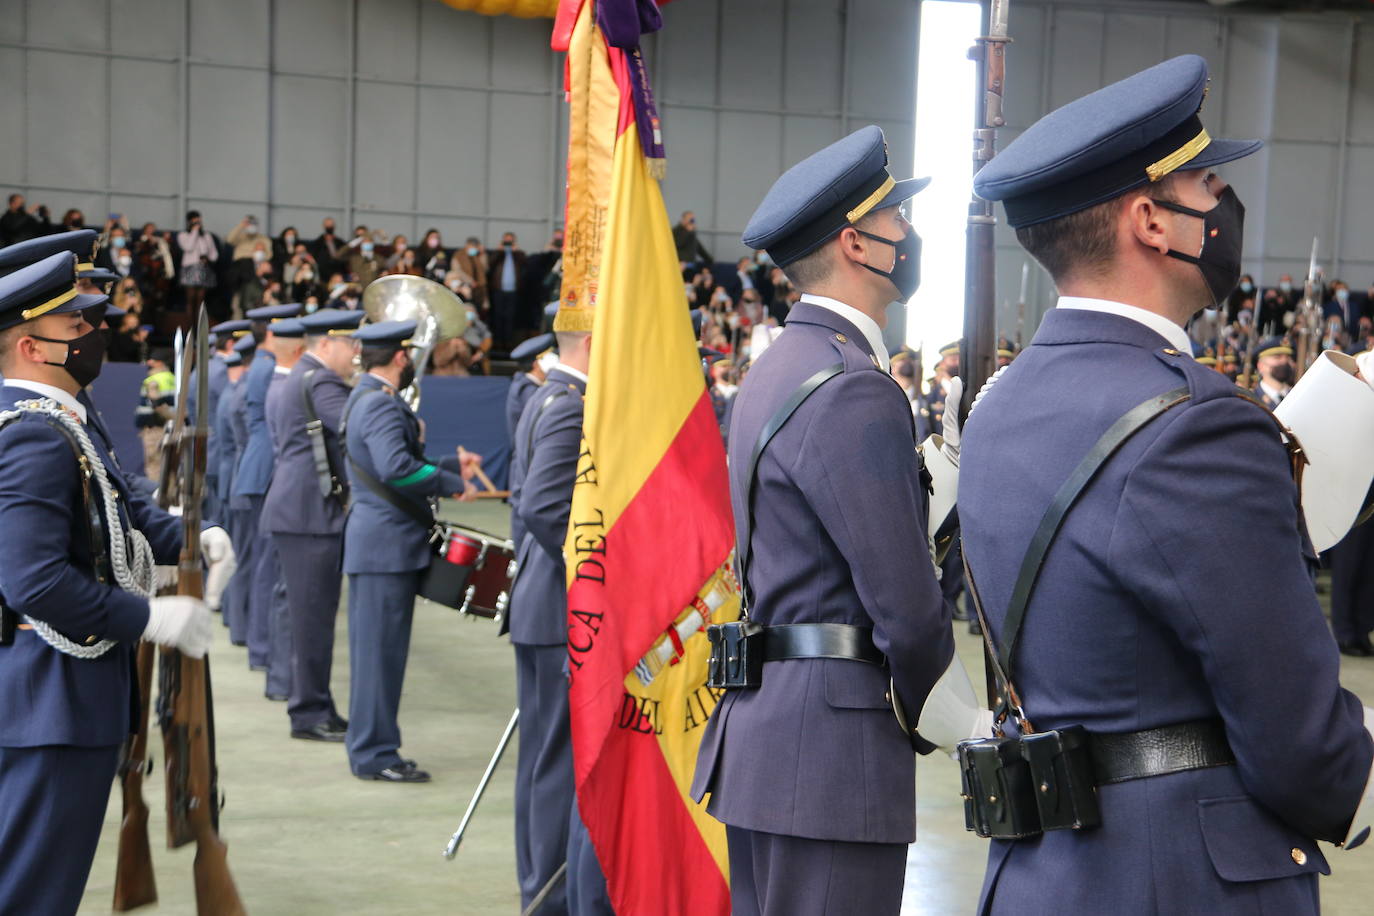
<point>136,578</point>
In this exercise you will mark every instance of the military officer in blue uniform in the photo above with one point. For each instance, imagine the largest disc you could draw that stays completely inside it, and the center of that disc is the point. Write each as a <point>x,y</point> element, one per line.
<point>72,615</point>
<point>305,507</point>
<point>385,547</point>
<point>810,771</point>
<point>529,356</point>
<point>1276,369</point>
<point>223,337</point>
<point>266,594</point>
<point>543,466</point>
<point>1173,616</point>
<point>231,427</point>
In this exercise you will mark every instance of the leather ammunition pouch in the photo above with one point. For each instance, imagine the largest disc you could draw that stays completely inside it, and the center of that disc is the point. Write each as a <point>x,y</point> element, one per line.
<point>1017,786</point>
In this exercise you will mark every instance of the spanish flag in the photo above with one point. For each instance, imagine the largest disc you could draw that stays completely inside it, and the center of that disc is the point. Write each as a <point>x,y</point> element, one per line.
<point>650,534</point>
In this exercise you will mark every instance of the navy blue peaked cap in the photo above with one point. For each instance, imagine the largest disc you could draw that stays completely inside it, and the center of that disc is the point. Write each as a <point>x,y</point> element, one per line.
<point>236,328</point>
<point>246,344</point>
<point>828,190</point>
<point>332,321</point>
<point>531,348</point>
<point>385,333</point>
<point>275,312</point>
<point>45,288</point>
<point>288,327</point>
<point>233,359</point>
<point>80,242</point>
<point>1120,137</point>
<point>1273,346</point>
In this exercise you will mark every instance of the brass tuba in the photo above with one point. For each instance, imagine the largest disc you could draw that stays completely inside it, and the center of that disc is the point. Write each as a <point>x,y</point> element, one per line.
<point>437,312</point>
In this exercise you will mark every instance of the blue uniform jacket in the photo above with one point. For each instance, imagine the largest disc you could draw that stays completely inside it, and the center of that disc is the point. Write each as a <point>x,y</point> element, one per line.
<point>1177,589</point>
<point>548,440</point>
<point>46,572</point>
<point>517,396</point>
<point>382,434</point>
<point>254,471</point>
<point>238,422</point>
<point>839,537</point>
<point>228,450</point>
<point>294,504</point>
<point>219,380</point>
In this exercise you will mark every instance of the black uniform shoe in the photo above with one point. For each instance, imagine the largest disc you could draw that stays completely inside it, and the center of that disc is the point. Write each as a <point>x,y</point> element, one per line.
<point>405,771</point>
<point>1359,648</point>
<point>321,731</point>
<point>975,627</point>
<point>338,722</point>
<point>276,697</point>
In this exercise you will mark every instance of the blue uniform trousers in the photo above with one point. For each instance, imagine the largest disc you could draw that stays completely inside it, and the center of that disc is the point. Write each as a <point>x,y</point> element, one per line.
<point>587,894</point>
<point>380,608</point>
<point>1352,585</point>
<point>774,875</point>
<point>52,803</point>
<point>243,532</point>
<point>544,792</point>
<point>311,574</point>
<point>270,623</point>
<point>257,592</point>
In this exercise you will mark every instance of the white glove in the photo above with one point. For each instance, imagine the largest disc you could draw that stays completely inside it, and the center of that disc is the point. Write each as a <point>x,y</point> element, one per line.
<point>950,420</point>
<point>218,550</point>
<point>181,622</point>
<point>1366,363</point>
<point>165,577</point>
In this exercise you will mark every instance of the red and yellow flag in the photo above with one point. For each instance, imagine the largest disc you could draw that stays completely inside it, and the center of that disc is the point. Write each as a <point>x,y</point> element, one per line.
<point>651,533</point>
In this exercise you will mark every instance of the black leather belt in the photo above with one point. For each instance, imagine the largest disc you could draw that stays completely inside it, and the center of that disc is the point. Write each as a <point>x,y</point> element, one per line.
<point>1157,751</point>
<point>820,640</point>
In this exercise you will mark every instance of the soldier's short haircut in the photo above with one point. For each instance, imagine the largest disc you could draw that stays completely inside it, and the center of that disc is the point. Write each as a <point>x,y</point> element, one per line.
<point>1083,243</point>
<point>568,340</point>
<point>374,357</point>
<point>313,340</point>
<point>8,338</point>
<point>810,271</point>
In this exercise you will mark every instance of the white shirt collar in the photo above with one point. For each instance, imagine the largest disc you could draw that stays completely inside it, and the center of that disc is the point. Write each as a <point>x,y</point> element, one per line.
<point>282,370</point>
<point>48,391</point>
<point>385,381</point>
<point>1275,394</point>
<point>866,325</point>
<point>1175,335</point>
<point>564,367</point>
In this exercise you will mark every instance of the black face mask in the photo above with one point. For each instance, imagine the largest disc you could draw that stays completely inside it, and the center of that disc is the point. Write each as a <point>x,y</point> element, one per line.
<point>85,354</point>
<point>1283,374</point>
<point>408,376</point>
<point>1222,232</point>
<point>906,269</point>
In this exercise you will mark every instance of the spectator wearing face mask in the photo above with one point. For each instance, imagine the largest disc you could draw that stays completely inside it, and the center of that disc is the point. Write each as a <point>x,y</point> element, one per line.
<point>471,259</point>
<point>403,259</point>
<point>1345,305</point>
<point>198,256</point>
<point>129,342</point>
<point>114,241</point>
<point>73,219</point>
<point>128,296</point>
<point>478,338</point>
<point>283,247</point>
<point>506,266</point>
<point>304,282</point>
<point>328,249</point>
<point>244,238</point>
<point>363,262</point>
<point>255,291</point>
<point>1243,291</point>
<point>154,267</point>
<point>433,258</point>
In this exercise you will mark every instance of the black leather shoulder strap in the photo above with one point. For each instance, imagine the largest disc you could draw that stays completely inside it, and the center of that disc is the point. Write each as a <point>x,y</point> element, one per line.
<point>745,547</point>
<point>381,490</point>
<point>1130,423</point>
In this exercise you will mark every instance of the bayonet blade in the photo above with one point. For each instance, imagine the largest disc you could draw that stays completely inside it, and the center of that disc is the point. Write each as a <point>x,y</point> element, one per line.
<point>997,19</point>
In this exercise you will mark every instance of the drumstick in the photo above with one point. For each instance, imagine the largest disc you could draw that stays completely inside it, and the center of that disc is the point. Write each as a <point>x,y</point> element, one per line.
<point>486,481</point>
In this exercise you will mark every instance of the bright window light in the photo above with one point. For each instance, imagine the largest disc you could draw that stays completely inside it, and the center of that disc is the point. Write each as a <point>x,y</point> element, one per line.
<point>945,85</point>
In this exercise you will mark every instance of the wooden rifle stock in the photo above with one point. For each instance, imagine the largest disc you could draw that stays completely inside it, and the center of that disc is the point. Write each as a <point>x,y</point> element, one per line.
<point>135,885</point>
<point>188,729</point>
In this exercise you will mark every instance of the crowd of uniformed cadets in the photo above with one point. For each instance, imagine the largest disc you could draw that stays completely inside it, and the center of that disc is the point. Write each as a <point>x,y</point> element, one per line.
<point>1190,662</point>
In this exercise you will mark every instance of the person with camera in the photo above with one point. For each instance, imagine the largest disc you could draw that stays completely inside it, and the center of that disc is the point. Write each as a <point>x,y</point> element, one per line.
<point>199,252</point>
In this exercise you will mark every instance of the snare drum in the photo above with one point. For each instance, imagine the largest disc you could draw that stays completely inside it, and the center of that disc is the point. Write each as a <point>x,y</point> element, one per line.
<point>472,573</point>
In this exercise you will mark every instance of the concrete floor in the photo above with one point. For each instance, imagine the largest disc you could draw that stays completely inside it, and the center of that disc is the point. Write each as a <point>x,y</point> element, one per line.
<point>305,837</point>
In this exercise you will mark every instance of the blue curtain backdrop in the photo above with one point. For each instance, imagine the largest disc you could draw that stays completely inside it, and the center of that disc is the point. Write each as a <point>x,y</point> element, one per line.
<point>470,412</point>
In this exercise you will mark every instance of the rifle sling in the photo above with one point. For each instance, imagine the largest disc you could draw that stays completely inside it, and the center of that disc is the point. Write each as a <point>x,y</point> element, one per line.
<point>745,549</point>
<point>1110,442</point>
<point>329,481</point>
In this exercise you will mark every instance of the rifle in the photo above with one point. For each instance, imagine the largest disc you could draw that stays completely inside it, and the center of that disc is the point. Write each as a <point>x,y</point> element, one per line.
<point>135,884</point>
<point>185,706</point>
<point>978,354</point>
<point>1307,324</point>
